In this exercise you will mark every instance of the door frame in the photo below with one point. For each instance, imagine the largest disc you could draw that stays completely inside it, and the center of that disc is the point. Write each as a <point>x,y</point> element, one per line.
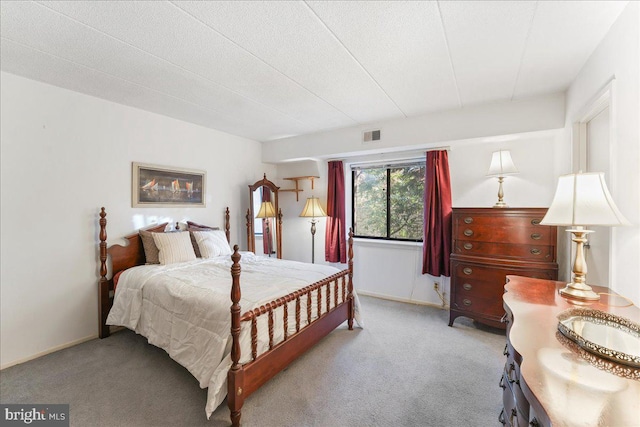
<point>603,99</point>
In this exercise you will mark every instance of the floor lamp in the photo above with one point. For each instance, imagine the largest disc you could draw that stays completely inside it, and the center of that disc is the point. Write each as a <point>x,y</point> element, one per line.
<point>267,211</point>
<point>312,209</point>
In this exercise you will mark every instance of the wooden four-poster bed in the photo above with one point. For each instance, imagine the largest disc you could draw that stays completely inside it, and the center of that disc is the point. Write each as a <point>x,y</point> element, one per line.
<point>328,303</point>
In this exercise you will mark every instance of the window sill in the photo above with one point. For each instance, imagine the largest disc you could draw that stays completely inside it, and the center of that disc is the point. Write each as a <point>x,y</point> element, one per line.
<point>385,243</point>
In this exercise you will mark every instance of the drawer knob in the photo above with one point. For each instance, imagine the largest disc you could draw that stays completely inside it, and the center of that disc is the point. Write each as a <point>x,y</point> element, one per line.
<point>466,302</point>
<point>468,246</point>
<point>535,221</point>
<point>468,232</point>
<point>467,286</point>
<point>536,236</point>
<point>468,220</point>
<point>514,416</point>
<point>467,270</point>
<point>535,251</point>
<point>501,418</point>
<point>512,370</point>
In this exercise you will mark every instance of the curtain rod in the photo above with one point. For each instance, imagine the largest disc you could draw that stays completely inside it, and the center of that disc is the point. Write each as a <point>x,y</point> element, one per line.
<point>425,150</point>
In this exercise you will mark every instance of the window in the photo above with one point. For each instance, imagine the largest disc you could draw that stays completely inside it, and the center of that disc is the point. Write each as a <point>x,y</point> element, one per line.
<point>388,201</point>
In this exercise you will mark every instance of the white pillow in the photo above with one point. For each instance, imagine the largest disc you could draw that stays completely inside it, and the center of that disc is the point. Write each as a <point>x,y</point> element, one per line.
<point>212,243</point>
<point>174,247</point>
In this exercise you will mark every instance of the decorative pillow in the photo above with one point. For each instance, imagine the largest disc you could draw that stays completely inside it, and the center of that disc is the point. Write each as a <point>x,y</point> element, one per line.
<point>212,243</point>
<point>192,226</point>
<point>150,248</point>
<point>174,247</point>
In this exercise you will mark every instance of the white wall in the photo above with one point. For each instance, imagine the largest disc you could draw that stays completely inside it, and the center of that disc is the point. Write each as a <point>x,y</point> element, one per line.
<point>618,56</point>
<point>391,269</point>
<point>489,120</point>
<point>64,155</point>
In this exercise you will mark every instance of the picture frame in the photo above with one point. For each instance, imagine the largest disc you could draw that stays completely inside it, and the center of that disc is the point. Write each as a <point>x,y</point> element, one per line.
<point>165,186</point>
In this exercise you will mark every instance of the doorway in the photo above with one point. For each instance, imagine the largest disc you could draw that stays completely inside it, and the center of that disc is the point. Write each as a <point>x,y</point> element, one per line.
<point>593,142</point>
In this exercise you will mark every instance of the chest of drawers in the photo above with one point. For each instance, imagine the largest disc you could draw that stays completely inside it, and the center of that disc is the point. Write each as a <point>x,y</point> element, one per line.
<point>487,245</point>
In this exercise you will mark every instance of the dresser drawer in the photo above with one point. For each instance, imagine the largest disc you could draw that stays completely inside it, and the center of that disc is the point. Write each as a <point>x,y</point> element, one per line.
<point>488,307</point>
<point>483,217</point>
<point>462,271</point>
<point>473,288</point>
<point>513,415</point>
<point>534,252</point>
<point>501,233</point>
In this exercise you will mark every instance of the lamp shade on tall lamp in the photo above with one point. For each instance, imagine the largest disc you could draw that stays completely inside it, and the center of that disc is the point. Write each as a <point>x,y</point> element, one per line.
<point>582,199</point>
<point>313,209</point>
<point>267,211</point>
<point>501,165</point>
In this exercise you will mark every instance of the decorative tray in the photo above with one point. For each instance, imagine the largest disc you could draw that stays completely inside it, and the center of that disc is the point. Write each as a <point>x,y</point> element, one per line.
<point>604,334</point>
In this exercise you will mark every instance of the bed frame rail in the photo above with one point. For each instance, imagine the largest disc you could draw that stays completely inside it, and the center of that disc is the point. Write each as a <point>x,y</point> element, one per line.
<point>244,379</point>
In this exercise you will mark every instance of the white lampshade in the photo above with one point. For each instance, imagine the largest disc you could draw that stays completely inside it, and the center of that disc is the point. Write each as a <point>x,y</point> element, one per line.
<point>583,199</point>
<point>502,164</point>
<point>312,208</point>
<point>266,210</point>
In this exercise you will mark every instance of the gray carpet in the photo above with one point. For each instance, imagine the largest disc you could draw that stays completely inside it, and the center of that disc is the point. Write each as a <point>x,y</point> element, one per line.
<point>406,368</point>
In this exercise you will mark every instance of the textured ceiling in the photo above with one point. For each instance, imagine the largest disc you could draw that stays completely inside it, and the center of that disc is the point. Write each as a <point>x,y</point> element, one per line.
<point>267,70</point>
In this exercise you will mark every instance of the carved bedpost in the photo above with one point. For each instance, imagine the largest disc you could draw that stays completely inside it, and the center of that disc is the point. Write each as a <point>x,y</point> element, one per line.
<point>235,398</point>
<point>279,233</point>
<point>103,285</point>
<point>227,224</point>
<point>350,285</point>
<point>250,241</point>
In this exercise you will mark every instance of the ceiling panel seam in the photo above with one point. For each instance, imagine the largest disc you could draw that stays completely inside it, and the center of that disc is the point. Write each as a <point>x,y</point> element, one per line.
<point>174,65</point>
<point>263,61</point>
<point>117,77</point>
<point>446,43</point>
<point>354,58</point>
<point>524,50</point>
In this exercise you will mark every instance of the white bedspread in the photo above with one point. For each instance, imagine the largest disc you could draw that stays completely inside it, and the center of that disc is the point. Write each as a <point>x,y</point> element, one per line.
<point>185,309</point>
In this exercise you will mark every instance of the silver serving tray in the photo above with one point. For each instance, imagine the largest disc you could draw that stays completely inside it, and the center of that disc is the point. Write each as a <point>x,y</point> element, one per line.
<point>603,334</point>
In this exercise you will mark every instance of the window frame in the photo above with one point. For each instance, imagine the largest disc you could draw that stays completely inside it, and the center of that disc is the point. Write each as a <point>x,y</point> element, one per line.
<point>387,167</point>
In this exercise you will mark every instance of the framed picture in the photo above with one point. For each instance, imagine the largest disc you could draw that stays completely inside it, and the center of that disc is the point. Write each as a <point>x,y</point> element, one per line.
<point>163,186</point>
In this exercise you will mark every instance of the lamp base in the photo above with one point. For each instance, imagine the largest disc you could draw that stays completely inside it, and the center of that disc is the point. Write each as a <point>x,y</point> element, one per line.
<point>500,205</point>
<point>579,291</point>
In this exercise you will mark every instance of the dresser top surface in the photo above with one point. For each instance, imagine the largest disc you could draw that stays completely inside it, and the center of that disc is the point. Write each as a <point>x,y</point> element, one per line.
<point>573,386</point>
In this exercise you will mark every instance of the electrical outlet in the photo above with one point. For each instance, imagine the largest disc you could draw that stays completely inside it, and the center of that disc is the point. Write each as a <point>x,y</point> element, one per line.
<point>436,286</point>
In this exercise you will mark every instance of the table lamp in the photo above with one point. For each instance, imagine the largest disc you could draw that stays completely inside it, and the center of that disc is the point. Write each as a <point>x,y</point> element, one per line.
<point>582,199</point>
<point>312,209</point>
<point>501,165</point>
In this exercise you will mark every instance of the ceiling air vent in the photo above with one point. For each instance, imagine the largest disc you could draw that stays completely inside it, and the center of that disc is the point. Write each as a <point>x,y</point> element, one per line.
<point>371,136</point>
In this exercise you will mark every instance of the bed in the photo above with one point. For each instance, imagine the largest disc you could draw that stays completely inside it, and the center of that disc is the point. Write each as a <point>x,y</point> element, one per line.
<point>287,307</point>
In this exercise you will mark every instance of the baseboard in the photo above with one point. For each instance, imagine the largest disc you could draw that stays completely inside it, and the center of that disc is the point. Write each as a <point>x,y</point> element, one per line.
<point>49,351</point>
<point>408,301</point>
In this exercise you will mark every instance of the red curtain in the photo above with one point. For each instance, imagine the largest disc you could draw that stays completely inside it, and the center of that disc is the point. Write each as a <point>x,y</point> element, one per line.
<point>267,225</point>
<point>335,248</point>
<point>437,215</point>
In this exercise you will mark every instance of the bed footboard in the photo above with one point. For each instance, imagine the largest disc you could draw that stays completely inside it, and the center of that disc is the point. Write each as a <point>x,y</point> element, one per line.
<point>335,293</point>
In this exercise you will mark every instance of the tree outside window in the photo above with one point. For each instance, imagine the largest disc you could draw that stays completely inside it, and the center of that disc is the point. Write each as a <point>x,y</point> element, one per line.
<point>388,202</point>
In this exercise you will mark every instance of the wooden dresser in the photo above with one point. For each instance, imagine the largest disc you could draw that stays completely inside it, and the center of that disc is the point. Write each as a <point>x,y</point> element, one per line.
<point>549,380</point>
<point>488,244</point>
